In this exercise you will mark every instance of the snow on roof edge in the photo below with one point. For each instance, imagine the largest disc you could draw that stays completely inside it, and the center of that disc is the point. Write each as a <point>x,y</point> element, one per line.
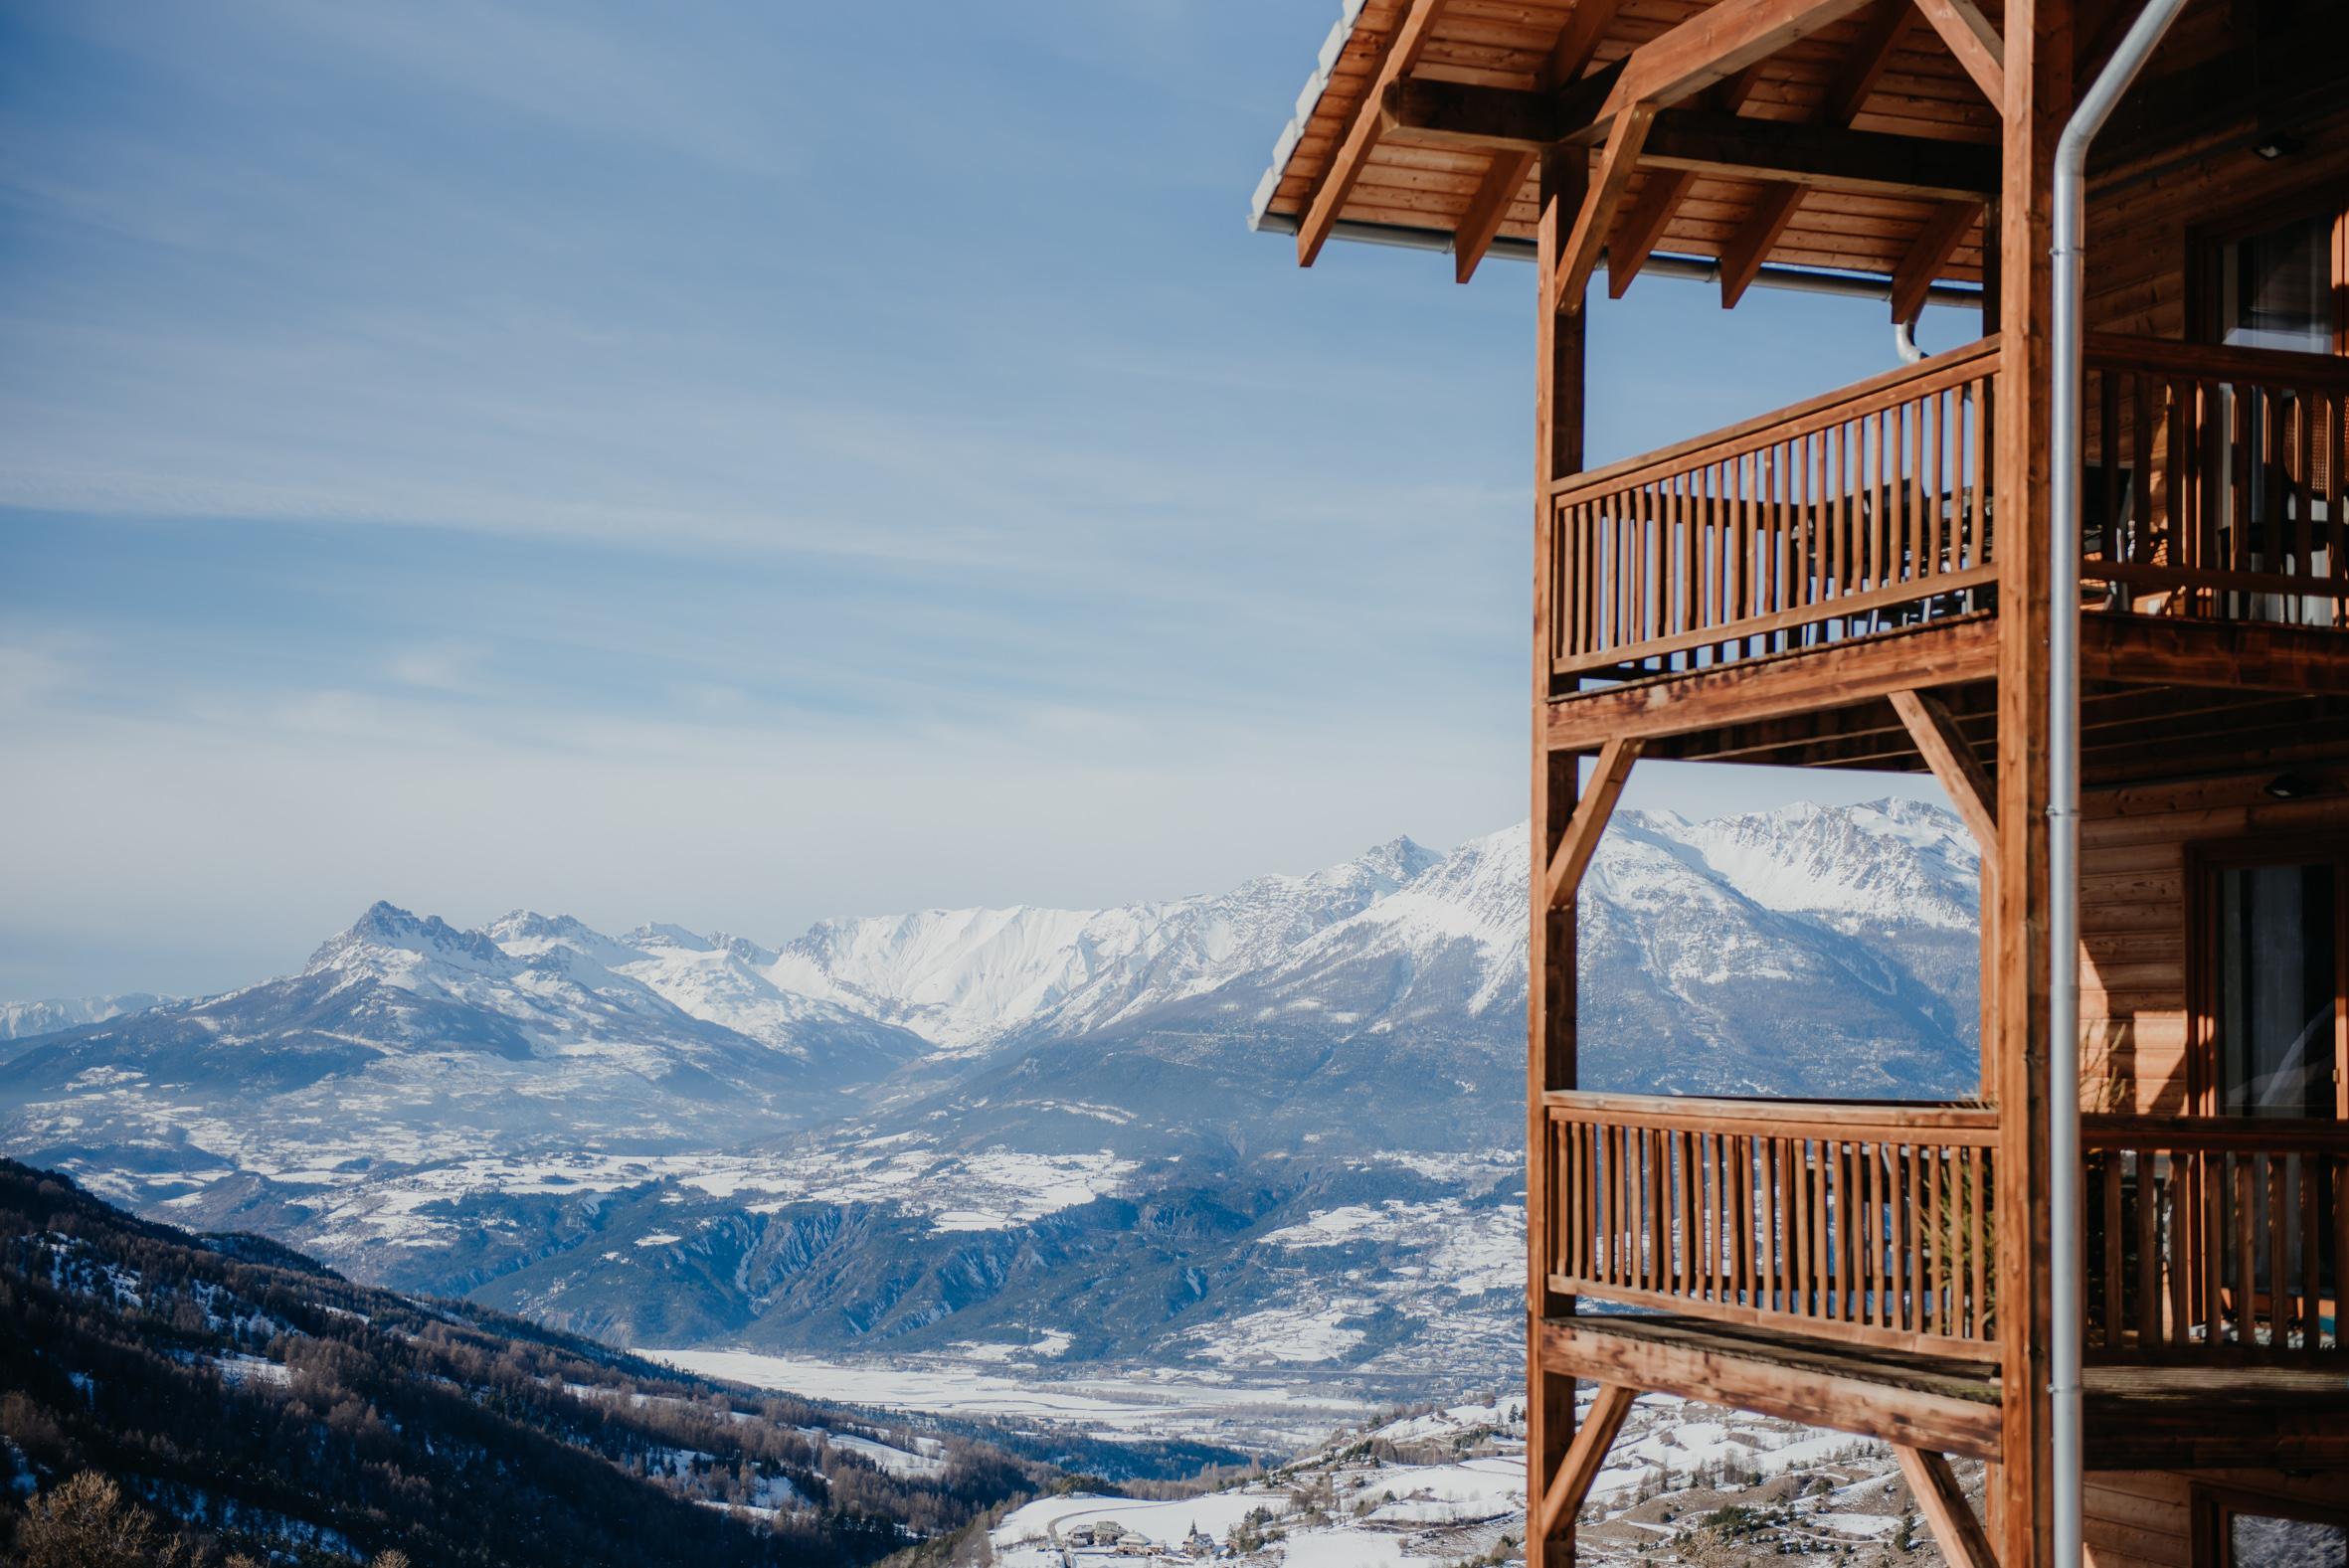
<point>1341,33</point>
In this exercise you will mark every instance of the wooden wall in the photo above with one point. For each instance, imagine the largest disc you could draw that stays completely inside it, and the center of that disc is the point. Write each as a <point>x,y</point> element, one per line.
<point>2143,1519</point>
<point>2141,223</point>
<point>2133,918</point>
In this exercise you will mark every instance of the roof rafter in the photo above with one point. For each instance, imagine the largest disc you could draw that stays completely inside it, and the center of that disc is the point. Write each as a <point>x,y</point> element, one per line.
<point>1642,227</point>
<point>1505,175</point>
<point>1974,42</point>
<point>1354,153</point>
<point>1617,163</point>
<point>1935,244</point>
<point>1880,33</point>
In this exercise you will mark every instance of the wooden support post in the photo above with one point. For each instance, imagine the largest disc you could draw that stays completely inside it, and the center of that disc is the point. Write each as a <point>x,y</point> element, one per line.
<point>1562,1499</point>
<point>1549,992</point>
<point>1580,842</point>
<point>1975,795</point>
<point>1957,1531</point>
<point>1951,757</point>
<point>2038,86</point>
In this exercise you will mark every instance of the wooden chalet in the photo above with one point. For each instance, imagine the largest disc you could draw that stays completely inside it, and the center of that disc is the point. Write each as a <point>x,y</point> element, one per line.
<point>1862,580</point>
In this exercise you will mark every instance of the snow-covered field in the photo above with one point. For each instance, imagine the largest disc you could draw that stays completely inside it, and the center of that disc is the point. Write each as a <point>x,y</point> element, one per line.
<point>1253,1413</point>
<point>1685,1485</point>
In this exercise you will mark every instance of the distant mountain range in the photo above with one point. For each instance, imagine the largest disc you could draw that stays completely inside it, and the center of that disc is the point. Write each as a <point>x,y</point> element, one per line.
<point>21,1020</point>
<point>954,1127</point>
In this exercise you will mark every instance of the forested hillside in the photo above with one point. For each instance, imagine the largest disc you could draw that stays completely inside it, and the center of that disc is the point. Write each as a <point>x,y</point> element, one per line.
<point>256,1402</point>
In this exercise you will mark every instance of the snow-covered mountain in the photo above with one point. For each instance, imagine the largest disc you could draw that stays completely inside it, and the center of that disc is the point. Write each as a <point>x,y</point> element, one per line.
<point>924,1127</point>
<point>969,977</point>
<point>23,1020</point>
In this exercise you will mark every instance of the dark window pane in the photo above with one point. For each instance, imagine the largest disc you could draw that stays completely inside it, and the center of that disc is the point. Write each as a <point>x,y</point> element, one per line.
<point>2276,990</point>
<point>2277,288</point>
<point>2257,1540</point>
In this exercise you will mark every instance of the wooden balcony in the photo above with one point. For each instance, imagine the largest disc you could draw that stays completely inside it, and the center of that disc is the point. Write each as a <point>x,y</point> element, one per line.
<point>1859,1223</point>
<point>2213,492</point>
<point>1835,1263</point>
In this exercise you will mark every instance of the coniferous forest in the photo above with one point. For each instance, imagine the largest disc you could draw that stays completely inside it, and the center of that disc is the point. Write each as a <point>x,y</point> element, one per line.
<point>245,1400</point>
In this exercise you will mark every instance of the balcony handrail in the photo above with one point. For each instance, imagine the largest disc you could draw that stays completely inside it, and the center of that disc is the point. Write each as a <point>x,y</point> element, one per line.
<point>2216,1239</point>
<point>1863,1221</point>
<point>2175,356</point>
<point>1811,415</point>
<point>1785,1118</point>
<point>2219,1134</point>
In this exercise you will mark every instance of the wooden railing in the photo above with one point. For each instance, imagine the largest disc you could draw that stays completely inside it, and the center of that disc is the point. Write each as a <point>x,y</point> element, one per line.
<point>1856,512</point>
<point>2213,481</point>
<point>1863,1222</point>
<point>2216,1238</point>
<point>2212,487</point>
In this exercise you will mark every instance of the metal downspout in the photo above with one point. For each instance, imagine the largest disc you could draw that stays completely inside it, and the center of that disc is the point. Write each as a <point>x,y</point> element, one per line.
<point>2065,1251</point>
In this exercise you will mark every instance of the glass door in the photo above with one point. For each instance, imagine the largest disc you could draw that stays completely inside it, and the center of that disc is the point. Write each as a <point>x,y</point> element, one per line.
<point>2275,288</point>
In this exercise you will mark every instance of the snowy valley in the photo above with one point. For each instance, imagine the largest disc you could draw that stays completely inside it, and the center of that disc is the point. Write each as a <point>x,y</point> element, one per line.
<point>1252,1147</point>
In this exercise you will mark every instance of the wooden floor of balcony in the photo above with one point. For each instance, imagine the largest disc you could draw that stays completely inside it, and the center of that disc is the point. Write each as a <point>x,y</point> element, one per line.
<point>2137,1416</point>
<point>2240,689</point>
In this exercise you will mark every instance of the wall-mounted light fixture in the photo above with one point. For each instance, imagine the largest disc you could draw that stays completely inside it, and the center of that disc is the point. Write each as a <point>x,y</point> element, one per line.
<point>2293,787</point>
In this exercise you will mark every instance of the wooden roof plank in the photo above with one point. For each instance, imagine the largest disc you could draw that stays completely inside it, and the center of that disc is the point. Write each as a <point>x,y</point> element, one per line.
<point>1403,51</point>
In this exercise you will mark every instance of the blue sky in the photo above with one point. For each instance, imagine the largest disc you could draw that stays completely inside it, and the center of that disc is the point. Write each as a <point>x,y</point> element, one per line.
<point>738,465</point>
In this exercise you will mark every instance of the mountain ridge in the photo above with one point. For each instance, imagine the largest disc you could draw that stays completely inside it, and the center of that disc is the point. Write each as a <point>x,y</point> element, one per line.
<point>920,1129</point>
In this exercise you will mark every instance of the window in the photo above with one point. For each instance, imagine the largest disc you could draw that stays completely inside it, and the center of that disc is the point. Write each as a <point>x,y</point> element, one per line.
<point>2275,288</point>
<point>2278,946</point>
<point>2273,278</point>
<point>2244,1529</point>
<point>2277,998</point>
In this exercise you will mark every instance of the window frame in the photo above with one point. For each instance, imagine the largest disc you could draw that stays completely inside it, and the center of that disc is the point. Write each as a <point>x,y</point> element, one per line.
<point>2205,861</point>
<point>2205,268</point>
<point>2211,1505</point>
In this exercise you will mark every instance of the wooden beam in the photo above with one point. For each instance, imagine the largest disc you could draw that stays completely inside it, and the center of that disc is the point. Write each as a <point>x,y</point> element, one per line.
<point>1973,40</point>
<point>1513,119</point>
<point>1488,209</point>
<point>1913,278</point>
<point>1551,995</point>
<point>1955,1529</point>
<point>1505,176</point>
<point>1821,1388</point>
<point>1768,688</point>
<point>1718,43</point>
<point>1823,158</point>
<point>1579,40</point>
<point>1643,227</point>
<point>1572,856</point>
<point>2222,655</point>
<point>1880,32</point>
<point>1562,1499</point>
<point>1616,164</point>
<point>2036,103</point>
<point>1354,153</point>
<point>1742,259</point>
<point>1951,757</point>
<point>1466,115</point>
